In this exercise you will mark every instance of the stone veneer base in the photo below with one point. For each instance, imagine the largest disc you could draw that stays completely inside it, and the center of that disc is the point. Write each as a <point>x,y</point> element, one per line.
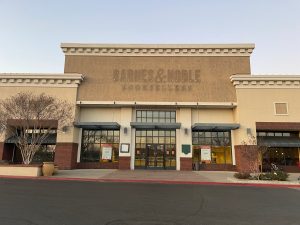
<point>21,170</point>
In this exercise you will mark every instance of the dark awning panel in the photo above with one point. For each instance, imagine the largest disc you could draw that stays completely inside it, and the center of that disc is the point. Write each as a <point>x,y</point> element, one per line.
<point>278,126</point>
<point>49,140</point>
<point>283,142</point>
<point>155,126</point>
<point>98,125</point>
<point>215,126</point>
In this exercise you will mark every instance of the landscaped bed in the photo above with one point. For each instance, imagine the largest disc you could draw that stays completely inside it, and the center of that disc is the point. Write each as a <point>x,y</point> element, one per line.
<point>275,175</point>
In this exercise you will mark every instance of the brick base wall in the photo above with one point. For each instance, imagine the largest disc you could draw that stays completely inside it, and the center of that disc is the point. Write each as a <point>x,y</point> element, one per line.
<point>6,151</point>
<point>246,157</point>
<point>66,155</point>
<point>124,162</point>
<point>97,165</point>
<point>1,150</point>
<point>186,164</point>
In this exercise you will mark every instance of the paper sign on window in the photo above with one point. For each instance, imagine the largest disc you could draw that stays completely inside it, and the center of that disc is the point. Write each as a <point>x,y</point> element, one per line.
<point>206,154</point>
<point>106,152</point>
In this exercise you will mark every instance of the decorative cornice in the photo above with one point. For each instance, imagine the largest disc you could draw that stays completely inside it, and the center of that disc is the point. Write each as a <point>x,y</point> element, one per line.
<point>158,50</point>
<point>40,80</point>
<point>265,81</point>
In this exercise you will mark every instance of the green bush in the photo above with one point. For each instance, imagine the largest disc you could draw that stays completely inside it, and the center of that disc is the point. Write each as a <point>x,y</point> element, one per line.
<point>278,175</point>
<point>241,175</point>
<point>281,175</point>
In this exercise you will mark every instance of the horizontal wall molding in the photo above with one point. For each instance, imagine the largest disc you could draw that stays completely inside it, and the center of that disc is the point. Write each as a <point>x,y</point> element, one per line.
<point>139,104</point>
<point>265,81</point>
<point>157,50</point>
<point>40,80</point>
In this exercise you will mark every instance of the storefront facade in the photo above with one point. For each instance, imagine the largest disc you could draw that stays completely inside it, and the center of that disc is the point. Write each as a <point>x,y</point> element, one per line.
<point>174,107</point>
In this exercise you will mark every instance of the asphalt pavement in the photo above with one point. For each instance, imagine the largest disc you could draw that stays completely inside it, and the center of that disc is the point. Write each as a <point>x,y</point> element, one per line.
<point>52,202</point>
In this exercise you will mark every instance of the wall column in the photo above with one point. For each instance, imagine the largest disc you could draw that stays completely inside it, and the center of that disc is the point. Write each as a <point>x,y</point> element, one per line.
<point>66,155</point>
<point>185,135</point>
<point>66,149</point>
<point>125,159</point>
<point>2,150</point>
<point>6,151</point>
<point>246,157</point>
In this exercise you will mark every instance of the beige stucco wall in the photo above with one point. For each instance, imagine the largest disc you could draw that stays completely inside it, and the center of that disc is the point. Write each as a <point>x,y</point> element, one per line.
<point>100,115</point>
<point>213,83</point>
<point>257,105</point>
<point>69,94</point>
<point>212,116</point>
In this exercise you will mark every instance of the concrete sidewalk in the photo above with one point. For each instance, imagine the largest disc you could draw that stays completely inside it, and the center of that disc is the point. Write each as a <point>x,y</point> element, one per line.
<point>167,176</point>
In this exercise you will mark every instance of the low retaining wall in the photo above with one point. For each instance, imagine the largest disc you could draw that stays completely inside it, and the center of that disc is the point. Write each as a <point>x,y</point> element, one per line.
<point>21,170</point>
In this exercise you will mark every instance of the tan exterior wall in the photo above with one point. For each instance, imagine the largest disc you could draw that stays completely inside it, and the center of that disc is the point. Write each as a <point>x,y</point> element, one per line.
<point>208,81</point>
<point>100,115</point>
<point>257,105</point>
<point>68,94</point>
<point>212,116</point>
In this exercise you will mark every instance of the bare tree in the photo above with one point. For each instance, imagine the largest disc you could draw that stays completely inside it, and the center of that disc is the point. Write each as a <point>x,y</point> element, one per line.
<point>256,166</point>
<point>29,119</point>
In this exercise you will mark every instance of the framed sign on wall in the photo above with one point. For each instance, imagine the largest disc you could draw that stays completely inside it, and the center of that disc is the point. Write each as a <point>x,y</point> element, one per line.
<point>124,148</point>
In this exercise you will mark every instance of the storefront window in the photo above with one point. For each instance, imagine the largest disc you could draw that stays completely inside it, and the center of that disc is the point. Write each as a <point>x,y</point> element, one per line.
<point>155,116</point>
<point>44,154</point>
<point>212,147</point>
<point>100,146</point>
<point>282,156</point>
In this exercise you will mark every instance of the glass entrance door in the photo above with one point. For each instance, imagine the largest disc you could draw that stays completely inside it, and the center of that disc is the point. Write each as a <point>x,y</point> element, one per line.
<point>155,156</point>
<point>155,149</point>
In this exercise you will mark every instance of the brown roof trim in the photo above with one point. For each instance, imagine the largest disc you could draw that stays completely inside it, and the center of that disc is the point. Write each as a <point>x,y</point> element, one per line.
<point>278,126</point>
<point>33,123</point>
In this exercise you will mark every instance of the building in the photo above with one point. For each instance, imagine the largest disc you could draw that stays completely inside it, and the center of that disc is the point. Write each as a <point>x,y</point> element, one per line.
<point>177,107</point>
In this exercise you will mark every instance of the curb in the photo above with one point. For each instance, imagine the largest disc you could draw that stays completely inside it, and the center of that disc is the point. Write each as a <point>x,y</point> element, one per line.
<point>111,180</point>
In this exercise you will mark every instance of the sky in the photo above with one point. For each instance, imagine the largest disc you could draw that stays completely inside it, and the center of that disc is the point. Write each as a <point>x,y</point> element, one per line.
<point>31,30</point>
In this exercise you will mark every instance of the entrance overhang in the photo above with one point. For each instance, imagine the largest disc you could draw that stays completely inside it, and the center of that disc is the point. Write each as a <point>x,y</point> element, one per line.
<point>98,125</point>
<point>215,126</point>
<point>49,140</point>
<point>155,126</point>
<point>280,142</point>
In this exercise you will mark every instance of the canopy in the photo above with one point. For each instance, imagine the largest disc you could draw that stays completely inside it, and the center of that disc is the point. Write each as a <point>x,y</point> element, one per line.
<point>49,140</point>
<point>283,142</point>
<point>215,126</point>
<point>98,125</point>
<point>155,126</point>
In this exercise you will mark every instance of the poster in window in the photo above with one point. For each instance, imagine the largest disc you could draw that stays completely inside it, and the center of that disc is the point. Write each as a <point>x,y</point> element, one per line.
<point>205,154</point>
<point>106,152</point>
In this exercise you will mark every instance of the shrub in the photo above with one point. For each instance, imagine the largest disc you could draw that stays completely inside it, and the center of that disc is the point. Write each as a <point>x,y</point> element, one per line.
<point>278,175</point>
<point>266,176</point>
<point>281,175</point>
<point>241,175</point>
